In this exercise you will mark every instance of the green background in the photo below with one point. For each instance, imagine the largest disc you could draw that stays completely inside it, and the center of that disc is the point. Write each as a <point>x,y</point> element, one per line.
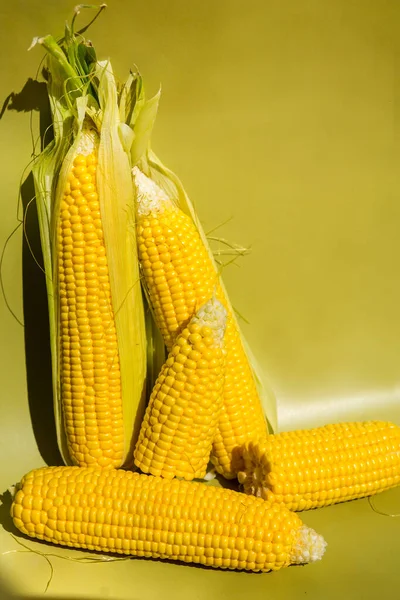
<point>282,117</point>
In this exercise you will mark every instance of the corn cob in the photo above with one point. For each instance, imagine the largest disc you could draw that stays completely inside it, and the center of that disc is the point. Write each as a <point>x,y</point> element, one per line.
<point>128,513</point>
<point>89,360</point>
<point>179,277</point>
<point>323,466</point>
<point>181,419</point>
<point>85,200</point>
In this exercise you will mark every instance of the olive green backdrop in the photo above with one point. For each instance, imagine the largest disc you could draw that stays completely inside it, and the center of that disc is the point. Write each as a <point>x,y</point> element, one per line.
<point>282,119</point>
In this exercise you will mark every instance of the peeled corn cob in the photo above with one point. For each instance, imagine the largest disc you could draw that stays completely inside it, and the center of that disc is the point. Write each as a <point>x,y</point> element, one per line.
<point>90,376</point>
<point>127,513</point>
<point>179,277</point>
<point>181,419</point>
<point>317,467</point>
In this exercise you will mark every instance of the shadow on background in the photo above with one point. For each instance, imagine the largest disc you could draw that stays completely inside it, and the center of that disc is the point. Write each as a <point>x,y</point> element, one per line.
<point>33,97</point>
<point>5,516</point>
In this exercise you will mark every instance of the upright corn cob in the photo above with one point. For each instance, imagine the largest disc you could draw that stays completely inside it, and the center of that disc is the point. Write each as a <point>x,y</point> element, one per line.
<point>322,466</point>
<point>84,195</point>
<point>90,376</point>
<point>181,419</point>
<point>127,513</point>
<point>179,277</point>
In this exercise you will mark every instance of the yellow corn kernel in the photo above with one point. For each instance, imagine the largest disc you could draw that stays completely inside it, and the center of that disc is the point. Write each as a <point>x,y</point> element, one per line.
<point>180,276</point>
<point>160,518</point>
<point>88,328</point>
<point>322,466</point>
<point>180,444</point>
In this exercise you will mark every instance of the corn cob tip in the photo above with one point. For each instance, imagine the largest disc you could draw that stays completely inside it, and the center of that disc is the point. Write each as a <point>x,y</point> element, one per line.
<point>149,196</point>
<point>256,465</point>
<point>212,314</point>
<point>89,140</point>
<point>308,546</point>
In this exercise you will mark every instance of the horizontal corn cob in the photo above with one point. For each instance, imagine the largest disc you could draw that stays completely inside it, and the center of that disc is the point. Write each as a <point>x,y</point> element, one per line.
<point>90,379</point>
<point>127,513</point>
<point>179,276</point>
<point>317,467</point>
<point>181,419</point>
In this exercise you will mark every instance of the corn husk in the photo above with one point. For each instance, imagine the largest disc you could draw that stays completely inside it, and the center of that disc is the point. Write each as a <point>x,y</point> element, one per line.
<point>84,92</point>
<point>141,119</point>
<point>45,173</point>
<point>139,116</point>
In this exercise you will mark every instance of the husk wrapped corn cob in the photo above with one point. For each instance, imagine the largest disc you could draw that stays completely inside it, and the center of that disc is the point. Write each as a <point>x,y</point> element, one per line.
<point>127,513</point>
<point>322,466</point>
<point>179,275</point>
<point>84,196</point>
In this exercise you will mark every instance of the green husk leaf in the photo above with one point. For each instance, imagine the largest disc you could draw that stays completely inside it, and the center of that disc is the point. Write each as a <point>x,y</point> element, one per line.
<point>141,115</point>
<point>135,99</point>
<point>143,128</point>
<point>132,99</point>
<point>126,136</point>
<point>45,171</point>
<point>115,188</point>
